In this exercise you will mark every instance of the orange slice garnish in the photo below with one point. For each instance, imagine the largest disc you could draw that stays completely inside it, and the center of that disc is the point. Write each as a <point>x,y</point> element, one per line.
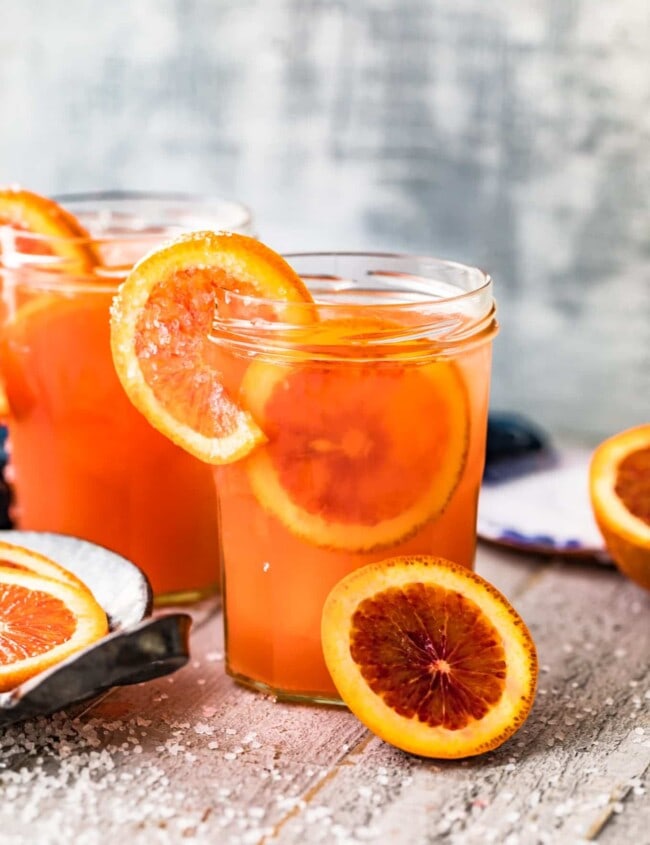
<point>619,484</point>
<point>429,656</point>
<point>359,454</point>
<point>42,622</point>
<point>49,229</point>
<point>25,560</point>
<point>160,326</point>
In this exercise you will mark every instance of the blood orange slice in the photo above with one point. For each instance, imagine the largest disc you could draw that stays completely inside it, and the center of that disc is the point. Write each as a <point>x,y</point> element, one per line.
<point>25,560</point>
<point>359,454</point>
<point>161,320</point>
<point>620,495</point>
<point>42,622</point>
<point>429,656</point>
<point>49,229</point>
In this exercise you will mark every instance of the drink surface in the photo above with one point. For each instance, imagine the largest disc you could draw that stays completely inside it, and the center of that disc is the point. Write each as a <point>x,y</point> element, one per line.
<point>86,463</point>
<point>374,450</point>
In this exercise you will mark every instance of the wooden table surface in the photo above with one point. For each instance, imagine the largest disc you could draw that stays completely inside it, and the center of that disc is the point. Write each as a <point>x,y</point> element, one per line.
<point>195,758</point>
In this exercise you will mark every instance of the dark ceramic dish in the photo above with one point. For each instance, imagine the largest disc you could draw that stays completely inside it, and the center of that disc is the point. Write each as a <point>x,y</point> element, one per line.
<point>136,649</point>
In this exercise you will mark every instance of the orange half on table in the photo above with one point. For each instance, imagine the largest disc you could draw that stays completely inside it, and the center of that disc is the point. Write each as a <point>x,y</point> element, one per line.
<point>160,324</point>
<point>43,621</point>
<point>429,656</point>
<point>50,230</point>
<point>619,484</point>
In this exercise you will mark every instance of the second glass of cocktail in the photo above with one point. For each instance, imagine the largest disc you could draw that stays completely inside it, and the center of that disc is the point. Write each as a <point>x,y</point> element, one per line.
<point>85,462</point>
<point>373,401</point>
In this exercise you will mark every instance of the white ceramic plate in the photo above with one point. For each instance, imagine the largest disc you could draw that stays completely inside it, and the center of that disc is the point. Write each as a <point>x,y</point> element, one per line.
<point>546,511</point>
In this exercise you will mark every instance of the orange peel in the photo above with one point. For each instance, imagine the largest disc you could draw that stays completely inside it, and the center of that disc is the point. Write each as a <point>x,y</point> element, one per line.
<point>619,486</point>
<point>50,230</point>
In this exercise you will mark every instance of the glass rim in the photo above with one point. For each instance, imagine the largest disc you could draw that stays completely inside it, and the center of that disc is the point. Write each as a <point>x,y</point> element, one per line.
<point>100,278</point>
<point>112,201</point>
<point>484,287</point>
<point>400,311</point>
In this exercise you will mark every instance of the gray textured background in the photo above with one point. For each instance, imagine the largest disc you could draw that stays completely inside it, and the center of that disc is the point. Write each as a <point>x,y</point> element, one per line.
<point>511,135</point>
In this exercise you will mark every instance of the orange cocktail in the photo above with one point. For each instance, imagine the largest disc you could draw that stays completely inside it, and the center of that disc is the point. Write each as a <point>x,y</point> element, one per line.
<point>85,461</point>
<point>373,402</point>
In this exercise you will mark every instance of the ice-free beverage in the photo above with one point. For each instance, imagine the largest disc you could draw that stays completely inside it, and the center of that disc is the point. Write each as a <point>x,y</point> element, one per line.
<point>374,404</point>
<point>84,461</point>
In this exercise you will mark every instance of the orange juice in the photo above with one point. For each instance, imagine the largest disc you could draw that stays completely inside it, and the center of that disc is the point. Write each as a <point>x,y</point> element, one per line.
<point>85,462</point>
<point>375,413</point>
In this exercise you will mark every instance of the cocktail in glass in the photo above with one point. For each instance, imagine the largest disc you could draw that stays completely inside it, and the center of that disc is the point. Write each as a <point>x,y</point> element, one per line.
<point>374,404</point>
<point>84,461</point>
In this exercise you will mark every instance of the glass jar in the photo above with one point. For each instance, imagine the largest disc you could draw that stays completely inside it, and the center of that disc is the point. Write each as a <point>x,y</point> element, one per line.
<point>83,461</point>
<point>374,404</point>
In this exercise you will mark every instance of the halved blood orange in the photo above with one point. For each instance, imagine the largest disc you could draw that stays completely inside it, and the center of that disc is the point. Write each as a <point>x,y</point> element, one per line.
<point>25,560</point>
<point>49,229</point>
<point>160,326</point>
<point>619,484</point>
<point>429,656</point>
<point>42,622</point>
<point>359,454</point>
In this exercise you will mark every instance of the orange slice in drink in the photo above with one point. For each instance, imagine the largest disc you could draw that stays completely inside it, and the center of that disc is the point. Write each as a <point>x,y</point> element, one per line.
<point>161,321</point>
<point>25,560</point>
<point>49,229</point>
<point>429,656</point>
<point>42,622</point>
<point>619,485</point>
<point>359,454</point>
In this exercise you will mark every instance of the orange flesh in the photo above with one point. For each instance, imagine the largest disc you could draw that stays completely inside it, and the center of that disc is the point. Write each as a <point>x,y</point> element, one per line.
<point>275,581</point>
<point>633,483</point>
<point>430,653</point>
<point>351,476</point>
<point>193,394</point>
<point>119,482</point>
<point>31,623</point>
